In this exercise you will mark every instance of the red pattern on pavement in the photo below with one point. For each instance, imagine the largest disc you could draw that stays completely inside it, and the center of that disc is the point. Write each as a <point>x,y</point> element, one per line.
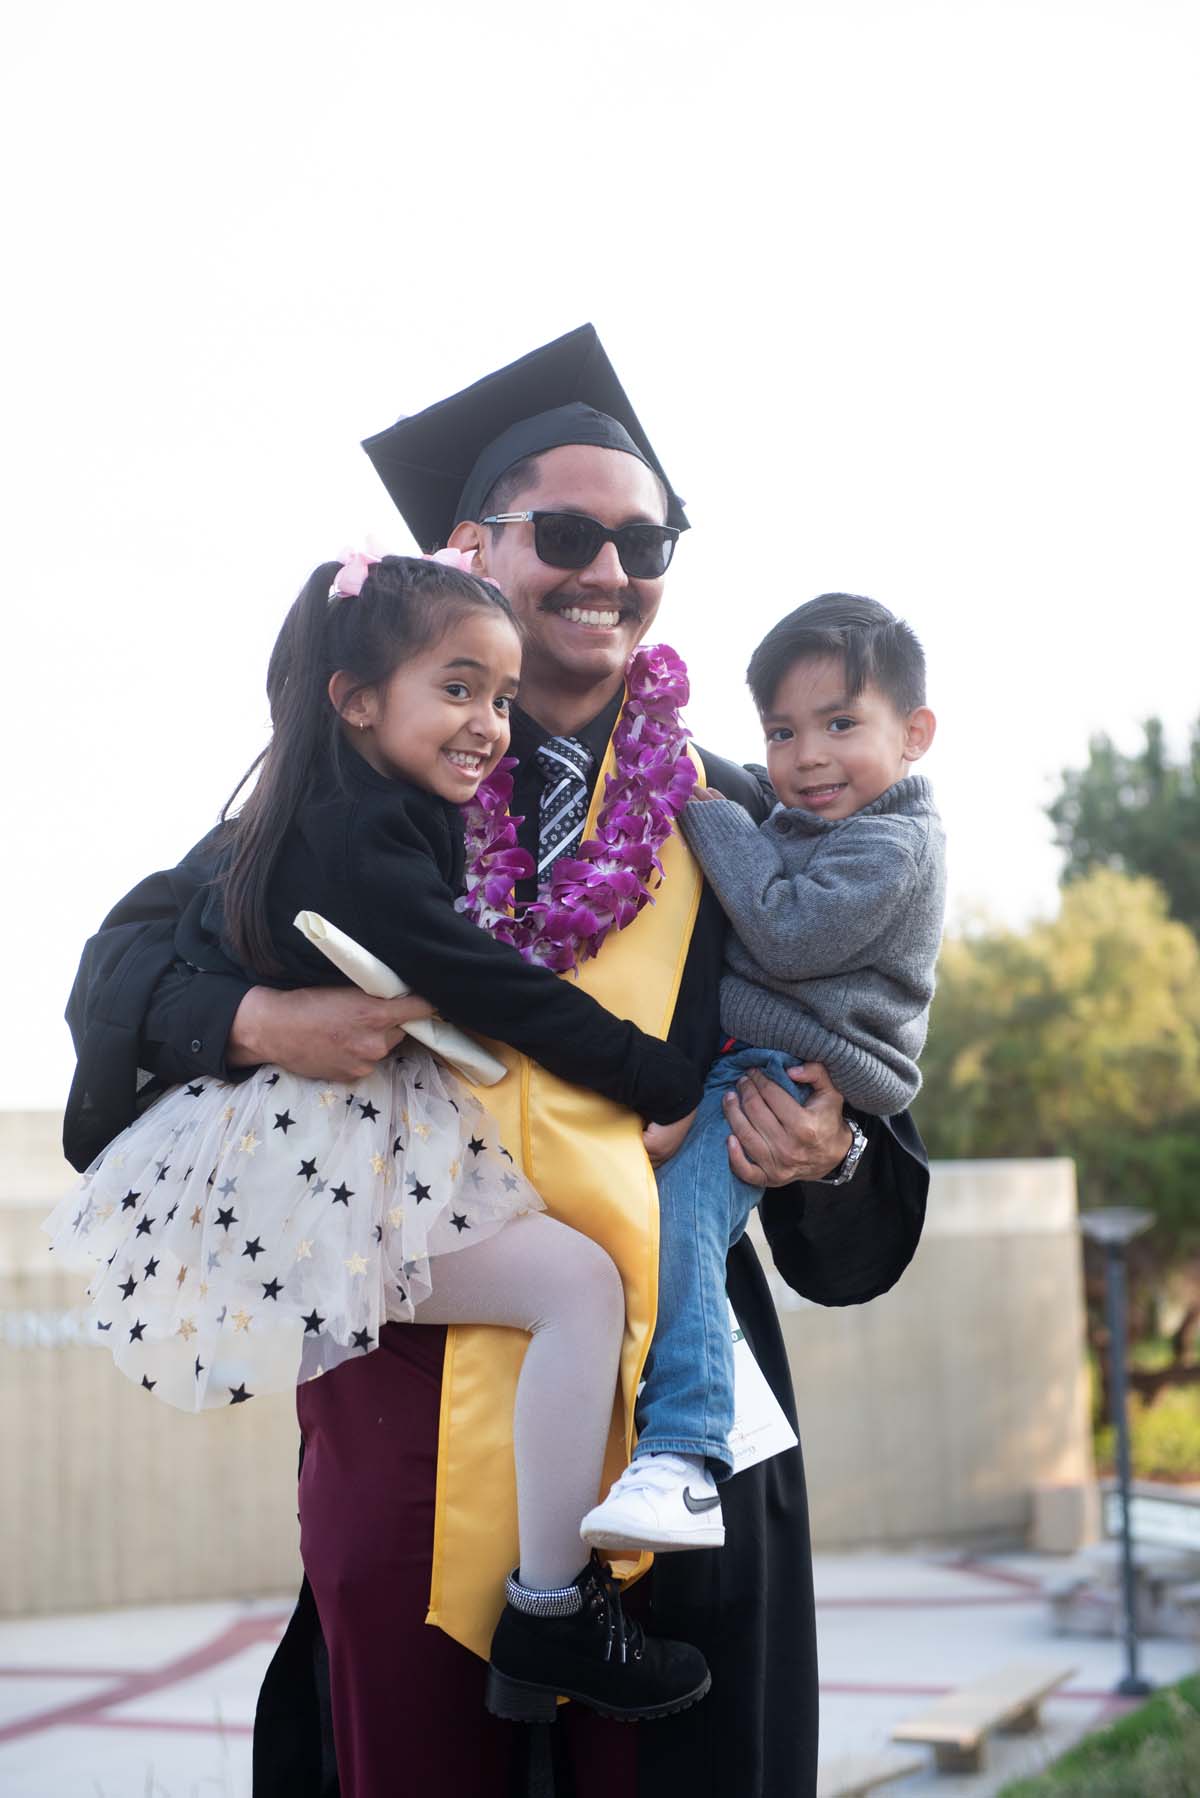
<point>90,1711</point>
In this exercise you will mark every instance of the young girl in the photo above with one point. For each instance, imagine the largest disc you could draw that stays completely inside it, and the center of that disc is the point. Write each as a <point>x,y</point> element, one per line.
<point>252,1234</point>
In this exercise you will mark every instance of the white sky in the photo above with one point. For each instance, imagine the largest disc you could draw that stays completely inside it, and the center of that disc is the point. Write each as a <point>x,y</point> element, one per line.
<point>905,292</point>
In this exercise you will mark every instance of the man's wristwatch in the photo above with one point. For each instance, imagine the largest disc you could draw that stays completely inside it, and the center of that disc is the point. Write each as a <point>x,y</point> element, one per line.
<point>853,1156</point>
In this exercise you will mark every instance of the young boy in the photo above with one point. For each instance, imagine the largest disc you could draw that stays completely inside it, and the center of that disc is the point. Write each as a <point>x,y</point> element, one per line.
<point>835,905</point>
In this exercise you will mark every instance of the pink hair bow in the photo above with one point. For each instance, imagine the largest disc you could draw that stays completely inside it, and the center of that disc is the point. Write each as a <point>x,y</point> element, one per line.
<point>463,560</point>
<point>348,581</point>
<point>357,564</point>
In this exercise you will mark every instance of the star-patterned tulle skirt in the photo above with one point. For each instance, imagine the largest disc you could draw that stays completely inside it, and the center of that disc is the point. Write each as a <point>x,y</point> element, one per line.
<point>244,1237</point>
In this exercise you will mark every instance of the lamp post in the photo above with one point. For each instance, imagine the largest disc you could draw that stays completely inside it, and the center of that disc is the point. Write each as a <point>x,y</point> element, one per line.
<point>1114,1228</point>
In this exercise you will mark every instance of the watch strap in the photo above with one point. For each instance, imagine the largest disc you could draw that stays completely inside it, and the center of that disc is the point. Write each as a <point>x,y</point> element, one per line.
<point>849,1164</point>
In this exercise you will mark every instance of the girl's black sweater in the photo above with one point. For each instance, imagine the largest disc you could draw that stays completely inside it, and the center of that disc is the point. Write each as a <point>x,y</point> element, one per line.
<point>384,860</point>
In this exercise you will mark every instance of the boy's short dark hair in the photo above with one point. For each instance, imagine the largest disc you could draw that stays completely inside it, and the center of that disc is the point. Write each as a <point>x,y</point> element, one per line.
<point>874,644</point>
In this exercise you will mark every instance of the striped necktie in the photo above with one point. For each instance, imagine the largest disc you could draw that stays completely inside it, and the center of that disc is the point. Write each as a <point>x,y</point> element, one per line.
<point>562,813</point>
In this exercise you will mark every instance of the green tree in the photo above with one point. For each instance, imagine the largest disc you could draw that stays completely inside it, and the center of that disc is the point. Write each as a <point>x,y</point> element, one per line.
<point>1138,813</point>
<point>1080,1036</point>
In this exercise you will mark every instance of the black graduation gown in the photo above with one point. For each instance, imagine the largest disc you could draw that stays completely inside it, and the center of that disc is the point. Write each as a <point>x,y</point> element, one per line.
<point>749,1606</point>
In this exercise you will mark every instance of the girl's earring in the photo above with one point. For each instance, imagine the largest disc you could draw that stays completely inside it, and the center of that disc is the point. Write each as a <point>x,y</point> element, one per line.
<point>362,724</point>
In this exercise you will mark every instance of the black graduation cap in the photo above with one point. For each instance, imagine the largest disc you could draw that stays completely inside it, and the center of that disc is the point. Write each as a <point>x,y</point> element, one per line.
<point>440,464</point>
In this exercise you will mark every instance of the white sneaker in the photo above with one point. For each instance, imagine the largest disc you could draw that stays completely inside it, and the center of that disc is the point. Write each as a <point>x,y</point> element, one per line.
<point>660,1502</point>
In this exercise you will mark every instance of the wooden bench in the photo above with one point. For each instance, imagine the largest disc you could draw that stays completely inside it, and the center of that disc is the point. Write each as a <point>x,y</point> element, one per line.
<point>854,1775</point>
<point>1009,1700</point>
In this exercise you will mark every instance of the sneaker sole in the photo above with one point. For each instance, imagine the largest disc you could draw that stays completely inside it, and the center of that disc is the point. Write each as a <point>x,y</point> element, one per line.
<point>670,1542</point>
<point>519,1701</point>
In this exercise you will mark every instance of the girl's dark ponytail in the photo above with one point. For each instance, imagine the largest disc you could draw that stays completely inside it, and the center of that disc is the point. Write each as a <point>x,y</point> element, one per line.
<point>302,722</point>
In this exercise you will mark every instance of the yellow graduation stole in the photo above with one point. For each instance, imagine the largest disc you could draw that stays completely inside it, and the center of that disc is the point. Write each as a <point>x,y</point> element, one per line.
<point>585,1156</point>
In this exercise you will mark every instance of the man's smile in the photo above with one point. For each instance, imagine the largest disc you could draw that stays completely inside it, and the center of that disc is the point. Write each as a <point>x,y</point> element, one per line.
<point>608,616</point>
<point>606,619</point>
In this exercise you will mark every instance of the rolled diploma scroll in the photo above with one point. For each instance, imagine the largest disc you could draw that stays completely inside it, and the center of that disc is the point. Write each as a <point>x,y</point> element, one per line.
<point>373,976</point>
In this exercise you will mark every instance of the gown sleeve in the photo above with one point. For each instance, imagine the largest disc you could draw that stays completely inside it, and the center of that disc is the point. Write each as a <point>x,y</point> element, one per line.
<point>140,1018</point>
<point>190,1011</point>
<point>843,1245</point>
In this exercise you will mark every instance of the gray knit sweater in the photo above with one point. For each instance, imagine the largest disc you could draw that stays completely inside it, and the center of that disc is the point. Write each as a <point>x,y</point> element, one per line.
<point>836,927</point>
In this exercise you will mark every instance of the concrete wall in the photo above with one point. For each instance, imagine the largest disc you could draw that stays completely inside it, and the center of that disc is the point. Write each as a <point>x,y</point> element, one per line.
<point>930,1414</point>
<point>107,1496</point>
<point>933,1412</point>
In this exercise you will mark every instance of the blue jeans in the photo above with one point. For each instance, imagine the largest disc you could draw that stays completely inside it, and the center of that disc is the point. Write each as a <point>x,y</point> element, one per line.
<point>686,1405</point>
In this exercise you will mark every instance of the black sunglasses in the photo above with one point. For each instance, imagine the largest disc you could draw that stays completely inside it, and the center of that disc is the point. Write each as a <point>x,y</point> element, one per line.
<point>572,540</point>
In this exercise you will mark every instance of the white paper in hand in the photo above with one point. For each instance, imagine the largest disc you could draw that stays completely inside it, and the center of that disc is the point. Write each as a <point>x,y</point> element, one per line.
<point>373,976</point>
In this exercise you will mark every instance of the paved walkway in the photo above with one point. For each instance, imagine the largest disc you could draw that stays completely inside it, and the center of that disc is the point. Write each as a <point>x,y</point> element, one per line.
<point>897,1630</point>
<point>159,1703</point>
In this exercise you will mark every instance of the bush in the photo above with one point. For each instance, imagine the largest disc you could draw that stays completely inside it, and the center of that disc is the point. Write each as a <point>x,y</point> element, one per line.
<point>1154,1752</point>
<point>1164,1436</point>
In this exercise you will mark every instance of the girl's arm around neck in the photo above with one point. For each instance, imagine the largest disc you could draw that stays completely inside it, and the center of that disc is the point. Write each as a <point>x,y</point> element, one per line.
<point>398,903</point>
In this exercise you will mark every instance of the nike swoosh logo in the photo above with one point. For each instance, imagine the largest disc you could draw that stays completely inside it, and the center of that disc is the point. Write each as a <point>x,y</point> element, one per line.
<point>696,1505</point>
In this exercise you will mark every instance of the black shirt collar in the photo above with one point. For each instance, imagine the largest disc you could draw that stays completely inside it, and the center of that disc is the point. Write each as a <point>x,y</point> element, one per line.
<point>528,735</point>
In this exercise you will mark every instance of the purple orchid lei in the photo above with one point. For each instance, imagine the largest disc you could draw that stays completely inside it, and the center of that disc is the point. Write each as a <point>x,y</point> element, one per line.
<point>606,885</point>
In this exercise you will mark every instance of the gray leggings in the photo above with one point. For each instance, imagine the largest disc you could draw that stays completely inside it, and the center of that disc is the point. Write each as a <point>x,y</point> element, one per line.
<point>564,1289</point>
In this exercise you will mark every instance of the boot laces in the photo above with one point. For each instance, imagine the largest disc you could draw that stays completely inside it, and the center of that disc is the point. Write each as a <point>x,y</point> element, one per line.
<point>622,1633</point>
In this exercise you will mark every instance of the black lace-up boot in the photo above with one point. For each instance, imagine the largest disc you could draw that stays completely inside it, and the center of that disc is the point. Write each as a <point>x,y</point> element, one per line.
<point>578,1643</point>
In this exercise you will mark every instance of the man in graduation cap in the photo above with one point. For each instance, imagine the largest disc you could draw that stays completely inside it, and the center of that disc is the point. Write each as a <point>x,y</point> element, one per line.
<point>544,471</point>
